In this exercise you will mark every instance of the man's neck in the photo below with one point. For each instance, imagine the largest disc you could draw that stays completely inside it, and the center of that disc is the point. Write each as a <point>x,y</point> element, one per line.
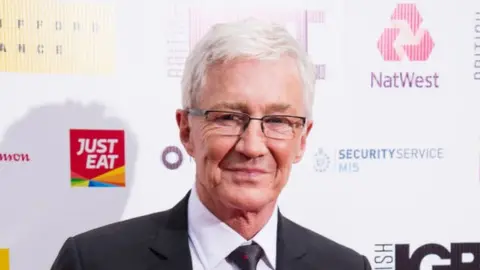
<point>245,223</point>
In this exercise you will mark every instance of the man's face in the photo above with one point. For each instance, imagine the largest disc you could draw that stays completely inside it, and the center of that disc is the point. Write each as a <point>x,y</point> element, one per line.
<point>247,171</point>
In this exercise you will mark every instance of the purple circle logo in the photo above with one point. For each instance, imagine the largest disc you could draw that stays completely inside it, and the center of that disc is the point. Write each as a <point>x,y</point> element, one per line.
<point>175,151</point>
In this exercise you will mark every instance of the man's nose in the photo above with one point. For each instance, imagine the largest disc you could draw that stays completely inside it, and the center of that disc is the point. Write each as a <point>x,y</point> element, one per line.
<point>252,141</point>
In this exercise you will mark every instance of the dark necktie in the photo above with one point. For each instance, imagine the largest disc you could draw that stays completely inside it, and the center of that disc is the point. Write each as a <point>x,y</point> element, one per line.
<point>246,257</point>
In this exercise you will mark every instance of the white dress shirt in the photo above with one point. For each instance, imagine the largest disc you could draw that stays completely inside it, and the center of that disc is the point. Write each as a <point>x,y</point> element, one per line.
<point>211,240</point>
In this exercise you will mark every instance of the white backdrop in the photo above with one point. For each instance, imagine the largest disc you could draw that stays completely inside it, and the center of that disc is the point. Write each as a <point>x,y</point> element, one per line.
<point>125,76</point>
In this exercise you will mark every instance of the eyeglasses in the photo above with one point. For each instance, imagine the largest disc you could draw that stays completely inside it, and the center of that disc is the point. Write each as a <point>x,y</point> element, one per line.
<point>235,123</point>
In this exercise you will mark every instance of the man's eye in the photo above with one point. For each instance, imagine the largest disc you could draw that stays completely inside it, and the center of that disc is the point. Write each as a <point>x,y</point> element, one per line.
<point>278,120</point>
<point>228,117</point>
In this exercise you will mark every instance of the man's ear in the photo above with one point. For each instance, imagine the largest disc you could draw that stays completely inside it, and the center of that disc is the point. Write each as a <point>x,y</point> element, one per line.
<point>303,141</point>
<point>184,130</point>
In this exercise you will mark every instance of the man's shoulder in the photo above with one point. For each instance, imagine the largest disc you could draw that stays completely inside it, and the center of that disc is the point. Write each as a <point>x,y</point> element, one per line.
<point>325,250</point>
<point>318,242</point>
<point>119,245</point>
<point>137,229</point>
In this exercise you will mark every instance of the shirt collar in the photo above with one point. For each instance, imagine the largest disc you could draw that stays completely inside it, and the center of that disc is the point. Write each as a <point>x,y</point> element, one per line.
<point>214,240</point>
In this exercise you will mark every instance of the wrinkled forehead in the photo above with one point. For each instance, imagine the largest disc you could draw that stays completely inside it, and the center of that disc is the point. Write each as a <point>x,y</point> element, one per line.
<point>272,71</point>
<point>282,62</point>
<point>273,85</point>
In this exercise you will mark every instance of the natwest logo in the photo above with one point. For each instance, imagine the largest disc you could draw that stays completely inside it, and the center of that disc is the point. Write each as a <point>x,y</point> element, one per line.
<point>405,40</point>
<point>97,158</point>
<point>404,80</point>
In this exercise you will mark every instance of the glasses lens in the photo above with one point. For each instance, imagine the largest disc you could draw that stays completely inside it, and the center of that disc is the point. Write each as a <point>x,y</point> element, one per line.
<point>228,123</point>
<point>281,127</point>
<point>232,123</point>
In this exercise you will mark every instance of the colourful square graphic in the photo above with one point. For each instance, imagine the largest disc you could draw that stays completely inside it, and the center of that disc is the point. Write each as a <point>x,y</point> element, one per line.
<point>97,158</point>
<point>4,259</point>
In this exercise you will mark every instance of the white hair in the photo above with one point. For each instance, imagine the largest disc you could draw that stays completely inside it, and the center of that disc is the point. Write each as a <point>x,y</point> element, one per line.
<point>249,38</point>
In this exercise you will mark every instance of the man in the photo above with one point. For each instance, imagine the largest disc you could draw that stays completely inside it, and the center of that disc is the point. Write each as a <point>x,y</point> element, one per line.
<point>248,91</point>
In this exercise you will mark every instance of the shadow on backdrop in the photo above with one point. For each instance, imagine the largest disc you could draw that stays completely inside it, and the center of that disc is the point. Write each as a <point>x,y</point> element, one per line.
<point>38,208</point>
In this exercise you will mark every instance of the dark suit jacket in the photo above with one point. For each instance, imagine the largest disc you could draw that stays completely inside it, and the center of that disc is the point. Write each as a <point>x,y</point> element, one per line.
<point>160,242</point>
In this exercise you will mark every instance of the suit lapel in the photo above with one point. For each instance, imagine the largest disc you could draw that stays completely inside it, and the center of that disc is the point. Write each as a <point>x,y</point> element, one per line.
<point>172,248</point>
<point>171,242</point>
<point>291,246</point>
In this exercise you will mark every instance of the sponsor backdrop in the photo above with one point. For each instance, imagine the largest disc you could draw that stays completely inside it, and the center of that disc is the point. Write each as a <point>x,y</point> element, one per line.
<point>88,135</point>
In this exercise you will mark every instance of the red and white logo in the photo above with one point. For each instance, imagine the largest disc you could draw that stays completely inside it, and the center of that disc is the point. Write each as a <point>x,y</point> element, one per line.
<point>405,40</point>
<point>97,158</point>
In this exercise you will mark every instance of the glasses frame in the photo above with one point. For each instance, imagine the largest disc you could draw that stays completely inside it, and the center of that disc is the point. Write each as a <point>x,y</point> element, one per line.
<point>204,113</point>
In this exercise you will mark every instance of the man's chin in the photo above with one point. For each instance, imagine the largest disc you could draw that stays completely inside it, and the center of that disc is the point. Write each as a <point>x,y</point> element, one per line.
<point>249,199</point>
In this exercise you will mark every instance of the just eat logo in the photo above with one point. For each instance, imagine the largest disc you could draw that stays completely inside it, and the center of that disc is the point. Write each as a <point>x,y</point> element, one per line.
<point>97,158</point>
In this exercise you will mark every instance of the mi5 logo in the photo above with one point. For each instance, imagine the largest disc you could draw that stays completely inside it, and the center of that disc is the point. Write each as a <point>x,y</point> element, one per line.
<point>4,259</point>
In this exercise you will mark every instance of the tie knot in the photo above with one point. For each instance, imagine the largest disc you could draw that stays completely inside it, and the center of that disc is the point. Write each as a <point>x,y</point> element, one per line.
<point>246,257</point>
